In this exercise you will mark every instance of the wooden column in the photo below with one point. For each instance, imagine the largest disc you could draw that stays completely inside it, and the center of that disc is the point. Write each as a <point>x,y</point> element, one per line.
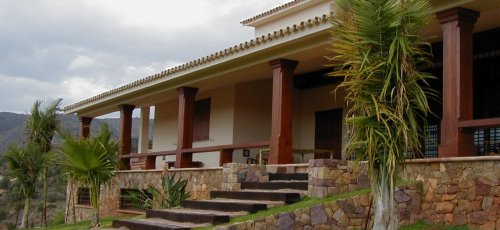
<point>185,126</point>
<point>126,134</point>
<point>226,156</point>
<point>85,127</point>
<point>281,123</point>
<point>457,25</point>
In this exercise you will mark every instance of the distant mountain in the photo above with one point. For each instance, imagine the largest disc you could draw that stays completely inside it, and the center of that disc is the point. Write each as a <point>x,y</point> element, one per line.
<point>13,127</point>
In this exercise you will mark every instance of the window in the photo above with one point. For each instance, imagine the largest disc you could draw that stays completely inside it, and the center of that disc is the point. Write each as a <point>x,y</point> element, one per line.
<point>83,196</point>
<point>201,120</point>
<point>128,201</point>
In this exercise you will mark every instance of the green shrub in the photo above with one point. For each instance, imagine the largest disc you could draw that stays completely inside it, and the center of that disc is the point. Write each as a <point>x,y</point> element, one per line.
<point>58,218</point>
<point>3,214</point>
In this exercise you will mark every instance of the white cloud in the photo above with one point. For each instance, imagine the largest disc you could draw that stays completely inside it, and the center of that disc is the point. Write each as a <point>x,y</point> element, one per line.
<point>77,49</point>
<point>81,62</point>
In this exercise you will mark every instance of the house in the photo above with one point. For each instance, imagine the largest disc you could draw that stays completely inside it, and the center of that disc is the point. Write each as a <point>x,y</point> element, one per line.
<point>272,92</point>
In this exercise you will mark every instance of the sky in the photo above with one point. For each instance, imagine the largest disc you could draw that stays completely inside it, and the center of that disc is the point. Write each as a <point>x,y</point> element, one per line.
<point>77,49</point>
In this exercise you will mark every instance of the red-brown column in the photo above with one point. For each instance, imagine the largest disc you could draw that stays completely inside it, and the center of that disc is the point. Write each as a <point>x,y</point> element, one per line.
<point>185,126</point>
<point>457,25</point>
<point>85,127</point>
<point>225,156</point>
<point>281,123</point>
<point>126,133</point>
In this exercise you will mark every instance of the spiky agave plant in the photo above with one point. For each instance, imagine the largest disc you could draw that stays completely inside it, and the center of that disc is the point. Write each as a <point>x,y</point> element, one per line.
<point>378,50</point>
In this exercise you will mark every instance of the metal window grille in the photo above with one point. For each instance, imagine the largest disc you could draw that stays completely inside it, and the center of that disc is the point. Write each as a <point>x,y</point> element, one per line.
<point>83,196</point>
<point>431,142</point>
<point>486,141</point>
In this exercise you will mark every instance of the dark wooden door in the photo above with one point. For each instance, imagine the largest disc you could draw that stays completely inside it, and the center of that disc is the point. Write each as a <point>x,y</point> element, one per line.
<point>328,133</point>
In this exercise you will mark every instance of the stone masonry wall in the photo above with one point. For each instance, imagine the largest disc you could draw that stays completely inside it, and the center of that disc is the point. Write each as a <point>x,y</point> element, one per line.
<point>200,183</point>
<point>330,177</point>
<point>349,213</point>
<point>459,191</point>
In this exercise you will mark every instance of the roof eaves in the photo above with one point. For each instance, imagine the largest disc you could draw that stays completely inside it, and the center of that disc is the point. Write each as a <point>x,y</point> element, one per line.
<point>205,60</point>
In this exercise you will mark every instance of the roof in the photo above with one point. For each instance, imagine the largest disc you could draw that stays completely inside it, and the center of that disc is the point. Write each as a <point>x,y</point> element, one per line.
<point>272,11</point>
<point>252,43</point>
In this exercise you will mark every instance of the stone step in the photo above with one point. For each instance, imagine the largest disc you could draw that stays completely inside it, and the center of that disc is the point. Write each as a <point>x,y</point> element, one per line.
<point>275,185</point>
<point>287,197</point>
<point>154,224</point>
<point>288,176</point>
<point>220,205</point>
<point>192,215</point>
<point>269,203</point>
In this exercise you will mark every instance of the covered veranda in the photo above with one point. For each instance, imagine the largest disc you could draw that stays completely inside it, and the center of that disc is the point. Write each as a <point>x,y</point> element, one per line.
<point>279,57</point>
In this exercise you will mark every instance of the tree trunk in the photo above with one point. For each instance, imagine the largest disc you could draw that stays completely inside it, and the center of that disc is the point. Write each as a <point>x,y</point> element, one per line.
<point>18,208</point>
<point>69,200</point>
<point>385,217</point>
<point>94,200</point>
<point>45,193</point>
<point>26,213</point>
<point>95,218</point>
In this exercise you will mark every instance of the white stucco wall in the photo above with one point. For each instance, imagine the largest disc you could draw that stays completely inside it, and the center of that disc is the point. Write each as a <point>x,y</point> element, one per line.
<point>221,125</point>
<point>289,19</point>
<point>253,105</point>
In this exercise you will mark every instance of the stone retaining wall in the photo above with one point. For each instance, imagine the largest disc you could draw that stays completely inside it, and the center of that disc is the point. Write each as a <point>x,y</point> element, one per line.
<point>459,191</point>
<point>235,173</point>
<point>200,183</point>
<point>350,213</point>
<point>330,177</point>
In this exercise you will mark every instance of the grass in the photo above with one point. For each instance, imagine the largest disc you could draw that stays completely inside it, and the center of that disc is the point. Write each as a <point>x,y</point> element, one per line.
<point>421,225</point>
<point>303,203</point>
<point>105,223</point>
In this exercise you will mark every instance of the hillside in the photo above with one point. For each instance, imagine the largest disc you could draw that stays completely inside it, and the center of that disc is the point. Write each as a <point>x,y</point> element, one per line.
<point>12,130</point>
<point>12,127</point>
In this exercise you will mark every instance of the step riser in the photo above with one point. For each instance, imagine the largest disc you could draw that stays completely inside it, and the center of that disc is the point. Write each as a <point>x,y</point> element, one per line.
<point>285,197</point>
<point>223,206</point>
<point>187,217</point>
<point>288,176</point>
<point>275,185</point>
<point>143,226</point>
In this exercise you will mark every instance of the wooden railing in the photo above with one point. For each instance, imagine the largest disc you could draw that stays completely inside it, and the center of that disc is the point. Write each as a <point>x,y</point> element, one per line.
<point>226,152</point>
<point>480,123</point>
<point>484,145</point>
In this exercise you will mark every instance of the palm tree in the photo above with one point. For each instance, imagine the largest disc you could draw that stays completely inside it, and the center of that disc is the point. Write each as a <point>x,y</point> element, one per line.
<point>41,126</point>
<point>377,51</point>
<point>91,162</point>
<point>26,163</point>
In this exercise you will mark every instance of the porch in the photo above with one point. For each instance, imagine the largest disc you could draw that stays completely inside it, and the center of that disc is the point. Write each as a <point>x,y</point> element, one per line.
<point>248,90</point>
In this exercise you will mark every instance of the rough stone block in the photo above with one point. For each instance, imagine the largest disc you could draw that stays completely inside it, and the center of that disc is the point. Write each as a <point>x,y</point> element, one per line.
<point>478,217</point>
<point>318,215</point>
<point>459,219</point>
<point>444,207</point>
<point>466,180</point>
<point>487,202</point>
<point>481,188</point>
<point>489,178</point>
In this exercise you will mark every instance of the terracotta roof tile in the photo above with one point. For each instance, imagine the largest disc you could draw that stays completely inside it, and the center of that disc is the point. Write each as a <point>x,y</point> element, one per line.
<point>207,59</point>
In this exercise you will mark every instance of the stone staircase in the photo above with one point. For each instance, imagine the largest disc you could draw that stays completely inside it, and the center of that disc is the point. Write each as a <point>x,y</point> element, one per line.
<point>281,189</point>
